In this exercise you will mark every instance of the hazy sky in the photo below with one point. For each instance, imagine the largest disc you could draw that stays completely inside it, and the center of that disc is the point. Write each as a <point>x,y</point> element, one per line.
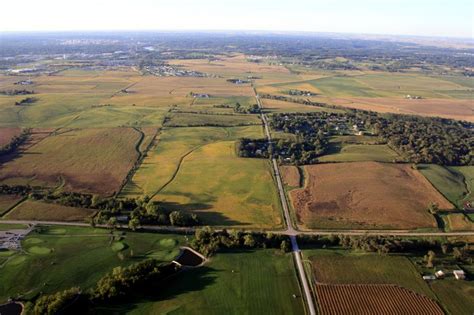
<point>409,17</point>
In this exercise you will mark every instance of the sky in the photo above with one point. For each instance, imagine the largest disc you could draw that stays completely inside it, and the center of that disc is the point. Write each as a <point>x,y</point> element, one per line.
<point>445,18</point>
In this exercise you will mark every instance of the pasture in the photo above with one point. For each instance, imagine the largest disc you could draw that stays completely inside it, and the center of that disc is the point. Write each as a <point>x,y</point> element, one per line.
<point>52,263</point>
<point>223,189</point>
<point>341,195</point>
<point>89,160</point>
<point>250,282</point>
<point>455,183</point>
<point>42,211</point>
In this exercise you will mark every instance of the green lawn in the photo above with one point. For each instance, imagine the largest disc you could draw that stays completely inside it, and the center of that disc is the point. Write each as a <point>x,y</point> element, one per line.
<point>58,258</point>
<point>241,282</point>
<point>359,153</point>
<point>450,181</point>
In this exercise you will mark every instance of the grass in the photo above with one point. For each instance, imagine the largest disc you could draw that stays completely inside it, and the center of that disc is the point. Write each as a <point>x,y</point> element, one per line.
<point>459,222</point>
<point>75,257</point>
<point>456,296</point>
<point>88,160</point>
<point>450,181</point>
<point>350,267</point>
<point>359,153</point>
<point>241,282</point>
<point>230,191</point>
<point>173,144</point>
<point>191,119</point>
<point>41,211</point>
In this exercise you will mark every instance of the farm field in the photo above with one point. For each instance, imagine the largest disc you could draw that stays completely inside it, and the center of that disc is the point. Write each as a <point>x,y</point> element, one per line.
<point>7,134</point>
<point>8,201</point>
<point>196,119</point>
<point>90,160</point>
<point>231,191</point>
<point>372,299</point>
<point>456,296</point>
<point>338,196</point>
<point>359,153</point>
<point>250,282</point>
<point>41,211</point>
<point>56,249</point>
<point>450,181</point>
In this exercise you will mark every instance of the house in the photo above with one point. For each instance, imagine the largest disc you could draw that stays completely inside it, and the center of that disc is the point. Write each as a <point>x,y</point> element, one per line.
<point>439,274</point>
<point>459,274</point>
<point>429,278</point>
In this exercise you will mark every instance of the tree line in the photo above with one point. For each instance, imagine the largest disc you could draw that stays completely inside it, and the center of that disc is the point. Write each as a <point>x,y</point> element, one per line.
<point>15,142</point>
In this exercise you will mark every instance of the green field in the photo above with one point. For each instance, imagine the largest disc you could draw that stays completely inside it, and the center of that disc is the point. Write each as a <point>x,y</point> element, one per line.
<point>351,267</point>
<point>191,119</point>
<point>58,258</point>
<point>456,296</point>
<point>197,169</point>
<point>359,153</point>
<point>241,282</point>
<point>455,183</point>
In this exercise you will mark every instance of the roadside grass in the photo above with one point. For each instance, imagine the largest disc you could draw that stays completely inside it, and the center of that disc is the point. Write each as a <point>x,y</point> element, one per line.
<point>353,267</point>
<point>76,257</point>
<point>225,190</point>
<point>42,211</point>
<point>358,153</point>
<point>238,282</point>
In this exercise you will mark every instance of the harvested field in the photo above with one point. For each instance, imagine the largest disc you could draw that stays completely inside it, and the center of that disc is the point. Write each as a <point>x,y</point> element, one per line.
<point>290,175</point>
<point>365,195</point>
<point>372,299</point>
<point>41,211</point>
<point>461,109</point>
<point>7,134</point>
<point>92,160</point>
<point>285,107</point>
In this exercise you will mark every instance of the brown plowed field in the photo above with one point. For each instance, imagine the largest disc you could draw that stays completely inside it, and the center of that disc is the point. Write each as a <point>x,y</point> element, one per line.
<point>372,299</point>
<point>365,195</point>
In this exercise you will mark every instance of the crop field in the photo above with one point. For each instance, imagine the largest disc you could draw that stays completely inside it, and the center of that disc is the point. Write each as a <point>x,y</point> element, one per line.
<point>359,153</point>
<point>372,299</point>
<point>50,261</point>
<point>450,181</point>
<point>290,175</point>
<point>224,189</point>
<point>339,195</point>
<point>90,160</point>
<point>242,282</point>
<point>276,106</point>
<point>349,282</point>
<point>8,201</point>
<point>41,211</point>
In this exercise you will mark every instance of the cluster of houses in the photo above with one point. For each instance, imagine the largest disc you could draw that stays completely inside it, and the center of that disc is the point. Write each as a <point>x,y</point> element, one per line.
<point>24,82</point>
<point>238,81</point>
<point>171,71</point>
<point>440,274</point>
<point>413,97</point>
<point>200,95</point>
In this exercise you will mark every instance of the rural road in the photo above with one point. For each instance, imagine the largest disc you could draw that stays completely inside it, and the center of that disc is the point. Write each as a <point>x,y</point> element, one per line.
<point>289,226</point>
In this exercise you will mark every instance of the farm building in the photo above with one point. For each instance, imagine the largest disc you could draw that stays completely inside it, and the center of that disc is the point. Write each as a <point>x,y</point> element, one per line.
<point>440,274</point>
<point>429,278</point>
<point>459,274</point>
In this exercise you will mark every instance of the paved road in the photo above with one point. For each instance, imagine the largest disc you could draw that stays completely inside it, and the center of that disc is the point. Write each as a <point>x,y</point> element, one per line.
<point>289,226</point>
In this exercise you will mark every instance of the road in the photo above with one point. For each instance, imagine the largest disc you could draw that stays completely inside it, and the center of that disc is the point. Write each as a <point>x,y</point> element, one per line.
<point>290,230</point>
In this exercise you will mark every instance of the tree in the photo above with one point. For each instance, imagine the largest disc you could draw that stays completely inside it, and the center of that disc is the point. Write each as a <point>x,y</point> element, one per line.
<point>249,240</point>
<point>134,223</point>
<point>54,303</point>
<point>430,257</point>
<point>112,222</point>
<point>177,218</point>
